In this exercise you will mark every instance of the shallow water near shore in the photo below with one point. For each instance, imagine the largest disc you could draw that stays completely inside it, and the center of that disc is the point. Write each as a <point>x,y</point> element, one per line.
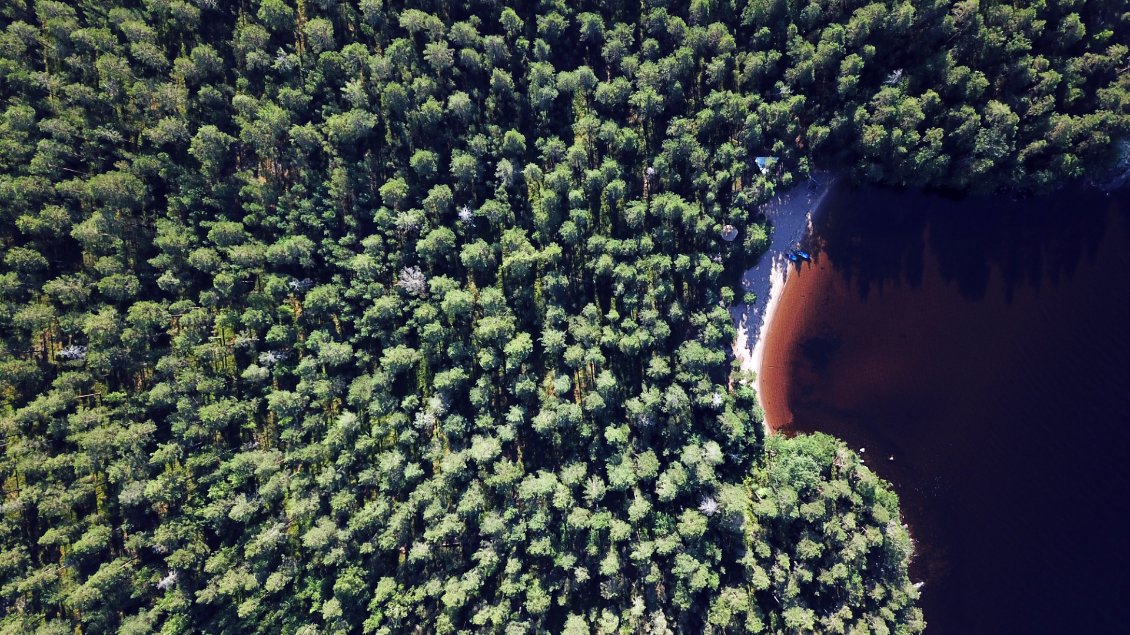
<point>978,350</point>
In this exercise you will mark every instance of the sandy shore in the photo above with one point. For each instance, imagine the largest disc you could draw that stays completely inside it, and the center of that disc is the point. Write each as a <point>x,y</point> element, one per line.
<point>791,216</point>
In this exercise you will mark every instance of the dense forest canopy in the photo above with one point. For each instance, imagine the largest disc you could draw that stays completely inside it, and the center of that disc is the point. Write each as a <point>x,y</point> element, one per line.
<point>376,317</point>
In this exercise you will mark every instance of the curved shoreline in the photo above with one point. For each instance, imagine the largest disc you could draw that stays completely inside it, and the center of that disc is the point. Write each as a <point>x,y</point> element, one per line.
<point>777,288</point>
<point>791,215</point>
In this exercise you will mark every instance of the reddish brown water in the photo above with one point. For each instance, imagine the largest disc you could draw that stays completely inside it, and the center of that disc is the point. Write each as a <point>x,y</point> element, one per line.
<point>983,345</point>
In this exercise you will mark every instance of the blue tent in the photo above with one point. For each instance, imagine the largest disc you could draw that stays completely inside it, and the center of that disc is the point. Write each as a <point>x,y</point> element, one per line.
<point>764,163</point>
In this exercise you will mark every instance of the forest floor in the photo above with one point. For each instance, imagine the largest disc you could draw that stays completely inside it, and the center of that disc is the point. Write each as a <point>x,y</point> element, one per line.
<point>790,215</point>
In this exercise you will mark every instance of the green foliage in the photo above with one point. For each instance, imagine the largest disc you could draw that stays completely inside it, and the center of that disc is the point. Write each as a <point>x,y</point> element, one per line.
<point>369,317</point>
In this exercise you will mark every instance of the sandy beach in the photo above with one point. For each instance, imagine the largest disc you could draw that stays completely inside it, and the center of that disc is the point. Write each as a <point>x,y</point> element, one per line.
<point>791,217</point>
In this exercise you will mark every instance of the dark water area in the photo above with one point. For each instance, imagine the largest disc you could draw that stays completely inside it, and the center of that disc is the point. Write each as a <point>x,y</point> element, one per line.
<point>978,350</point>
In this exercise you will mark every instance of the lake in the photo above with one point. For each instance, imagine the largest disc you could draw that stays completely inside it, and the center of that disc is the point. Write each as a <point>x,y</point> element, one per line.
<point>977,352</point>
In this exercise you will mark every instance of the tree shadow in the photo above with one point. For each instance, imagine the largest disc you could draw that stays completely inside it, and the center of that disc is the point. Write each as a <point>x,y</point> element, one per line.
<point>882,236</point>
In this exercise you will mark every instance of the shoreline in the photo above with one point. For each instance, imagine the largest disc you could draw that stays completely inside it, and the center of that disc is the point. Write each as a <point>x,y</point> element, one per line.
<point>791,215</point>
<point>757,358</point>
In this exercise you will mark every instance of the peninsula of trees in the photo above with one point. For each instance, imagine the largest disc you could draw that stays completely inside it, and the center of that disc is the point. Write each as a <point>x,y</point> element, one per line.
<point>327,316</point>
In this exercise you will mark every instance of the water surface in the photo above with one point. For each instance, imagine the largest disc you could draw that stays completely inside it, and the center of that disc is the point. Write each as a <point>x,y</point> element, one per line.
<point>978,350</point>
